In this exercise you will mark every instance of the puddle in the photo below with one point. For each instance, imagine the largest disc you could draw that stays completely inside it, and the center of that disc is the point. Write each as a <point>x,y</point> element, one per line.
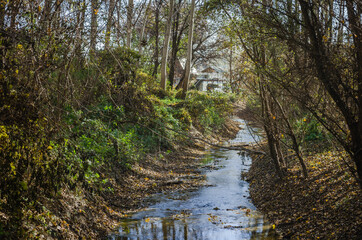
<point>221,210</point>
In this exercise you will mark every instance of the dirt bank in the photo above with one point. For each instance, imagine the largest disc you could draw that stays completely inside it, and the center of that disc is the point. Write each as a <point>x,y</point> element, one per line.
<point>326,205</point>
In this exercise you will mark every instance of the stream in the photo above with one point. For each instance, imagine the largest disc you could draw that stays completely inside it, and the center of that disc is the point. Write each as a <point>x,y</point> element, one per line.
<point>221,210</point>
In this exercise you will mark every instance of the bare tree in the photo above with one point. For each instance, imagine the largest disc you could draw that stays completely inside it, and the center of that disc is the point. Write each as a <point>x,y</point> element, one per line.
<point>157,37</point>
<point>145,20</point>
<point>165,46</point>
<point>94,25</point>
<point>112,4</point>
<point>80,27</point>
<point>189,51</point>
<point>129,22</point>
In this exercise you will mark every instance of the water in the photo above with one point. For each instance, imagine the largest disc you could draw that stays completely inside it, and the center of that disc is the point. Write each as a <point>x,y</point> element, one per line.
<point>222,210</point>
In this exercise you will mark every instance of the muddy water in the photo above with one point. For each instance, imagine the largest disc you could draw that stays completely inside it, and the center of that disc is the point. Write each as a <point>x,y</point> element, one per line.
<point>220,210</point>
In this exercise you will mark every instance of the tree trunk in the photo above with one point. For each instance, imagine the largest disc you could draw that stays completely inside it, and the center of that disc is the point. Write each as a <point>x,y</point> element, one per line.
<point>45,17</point>
<point>330,78</point>
<point>165,47</point>
<point>354,17</point>
<point>142,40</point>
<point>294,139</point>
<point>129,22</point>
<point>231,63</point>
<point>267,127</point>
<point>340,23</point>
<point>174,50</point>
<point>118,24</point>
<point>80,28</point>
<point>157,40</point>
<point>94,25</point>
<point>186,80</point>
<point>112,5</point>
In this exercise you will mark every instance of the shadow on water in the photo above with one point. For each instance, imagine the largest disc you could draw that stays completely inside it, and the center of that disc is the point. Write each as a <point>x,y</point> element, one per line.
<point>222,210</point>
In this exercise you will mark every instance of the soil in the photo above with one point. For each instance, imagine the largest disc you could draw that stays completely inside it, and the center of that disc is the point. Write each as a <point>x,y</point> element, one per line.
<point>326,205</point>
<point>84,213</point>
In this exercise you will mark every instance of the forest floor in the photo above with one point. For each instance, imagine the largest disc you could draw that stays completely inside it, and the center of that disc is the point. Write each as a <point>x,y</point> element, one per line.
<point>83,214</point>
<point>326,205</point>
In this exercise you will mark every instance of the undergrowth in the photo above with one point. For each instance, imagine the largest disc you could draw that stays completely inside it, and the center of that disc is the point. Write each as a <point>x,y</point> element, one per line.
<point>80,137</point>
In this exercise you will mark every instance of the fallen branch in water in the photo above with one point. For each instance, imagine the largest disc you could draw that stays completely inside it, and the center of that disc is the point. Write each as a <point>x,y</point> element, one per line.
<point>241,147</point>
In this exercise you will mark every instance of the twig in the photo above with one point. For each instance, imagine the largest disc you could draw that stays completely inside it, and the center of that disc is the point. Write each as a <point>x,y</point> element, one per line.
<point>241,147</point>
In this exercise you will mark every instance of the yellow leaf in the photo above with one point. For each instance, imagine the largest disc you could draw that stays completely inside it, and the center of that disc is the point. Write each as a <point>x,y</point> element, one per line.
<point>96,11</point>
<point>12,166</point>
<point>146,179</point>
<point>147,220</point>
<point>273,226</point>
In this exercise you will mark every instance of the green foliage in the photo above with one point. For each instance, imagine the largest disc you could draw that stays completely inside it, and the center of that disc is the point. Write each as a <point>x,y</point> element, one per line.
<point>309,129</point>
<point>118,66</point>
<point>168,118</point>
<point>99,139</point>
<point>314,131</point>
<point>208,110</point>
<point>183,116</point>
<point>78,124</point>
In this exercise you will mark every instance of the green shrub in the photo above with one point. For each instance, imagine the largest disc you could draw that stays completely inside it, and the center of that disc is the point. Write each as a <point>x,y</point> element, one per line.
<point>100,139</point>
<point>309,129</point>
<point>314,131</point>
<point>208,110</point>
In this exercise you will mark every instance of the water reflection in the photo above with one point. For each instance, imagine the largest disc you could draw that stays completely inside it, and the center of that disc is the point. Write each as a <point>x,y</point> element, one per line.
<point>221,211</point>
<point>170,228</point>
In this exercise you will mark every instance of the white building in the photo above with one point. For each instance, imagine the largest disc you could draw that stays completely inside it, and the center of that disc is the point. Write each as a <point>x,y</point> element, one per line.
<point>211,79</point>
